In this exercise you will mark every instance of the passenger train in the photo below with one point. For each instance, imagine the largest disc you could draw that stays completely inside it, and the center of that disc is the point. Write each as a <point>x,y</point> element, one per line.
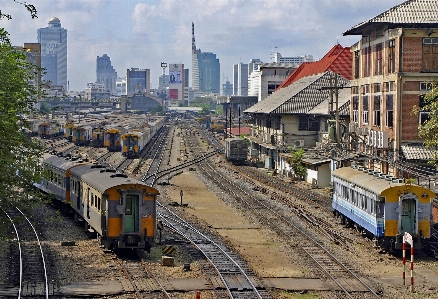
<point>120,209</point>
<point>382,207</point>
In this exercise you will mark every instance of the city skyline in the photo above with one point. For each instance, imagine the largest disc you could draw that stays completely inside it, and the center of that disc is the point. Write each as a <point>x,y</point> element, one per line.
<point>142,34</point>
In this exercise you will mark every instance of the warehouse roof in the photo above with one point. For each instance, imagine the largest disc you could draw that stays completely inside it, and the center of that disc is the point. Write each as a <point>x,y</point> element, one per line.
<point>302,96</point>
<point>411,13</point>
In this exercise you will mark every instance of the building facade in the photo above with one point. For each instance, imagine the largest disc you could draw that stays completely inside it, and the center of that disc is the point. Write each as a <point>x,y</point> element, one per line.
<point>205,70</point>
<point>240,79</point>
<point>297,59</point>
<point>176,82</point>
<point>105,73</point>
<point>138,81</point>
<point>53,40</point>
<point>393,64</point>
<point>272,76</point>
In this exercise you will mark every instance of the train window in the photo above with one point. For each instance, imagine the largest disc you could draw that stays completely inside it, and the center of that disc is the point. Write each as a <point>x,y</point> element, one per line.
<point>92,199</point>
<point>98,203</point>
<point>128,205</point>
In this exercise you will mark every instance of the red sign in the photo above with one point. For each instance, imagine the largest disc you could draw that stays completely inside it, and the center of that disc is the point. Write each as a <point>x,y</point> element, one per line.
<point>173,93</point>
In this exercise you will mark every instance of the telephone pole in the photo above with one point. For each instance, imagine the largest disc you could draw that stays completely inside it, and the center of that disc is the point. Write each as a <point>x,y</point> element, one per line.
<point>334,88</point>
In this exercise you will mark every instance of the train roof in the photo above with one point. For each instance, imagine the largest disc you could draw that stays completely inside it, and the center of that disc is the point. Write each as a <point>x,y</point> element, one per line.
<point>102,180</point>
<point>61,162</point>
<point>367,179</point>
<point>87,168</point>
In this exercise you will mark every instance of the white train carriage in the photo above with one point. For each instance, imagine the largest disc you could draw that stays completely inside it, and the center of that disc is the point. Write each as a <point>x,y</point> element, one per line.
<point>382,206</point>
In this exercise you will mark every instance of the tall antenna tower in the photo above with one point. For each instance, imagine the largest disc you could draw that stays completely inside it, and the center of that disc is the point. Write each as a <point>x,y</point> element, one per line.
<point>193,39</point>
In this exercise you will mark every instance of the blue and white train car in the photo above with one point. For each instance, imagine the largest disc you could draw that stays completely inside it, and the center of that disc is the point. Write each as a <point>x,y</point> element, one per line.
<point>382,206</point>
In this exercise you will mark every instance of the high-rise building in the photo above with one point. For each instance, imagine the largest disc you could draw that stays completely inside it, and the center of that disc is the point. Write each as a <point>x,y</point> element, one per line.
<point>105,73</point>
<point>138,81</point>
<point>205,69</point>
<point>53,40</point>
<point>240,79</point>
<point>297,59</point>
<point>227,88</point>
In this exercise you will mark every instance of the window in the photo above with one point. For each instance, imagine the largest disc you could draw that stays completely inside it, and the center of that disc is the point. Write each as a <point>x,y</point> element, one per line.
<point>376,87</point>
<point>306,123</point>
<point>367,62</point>
<point>354,89</point>
<point>356,64</point>
<point>430,54</point>
<point>128,205</point>
<point>355,108</point>
<point>389,110</point>
<point>425,86</point>
<point>376,111</point>
<point>424,114</point>
<point>378,62</point>
<point>389,86</point>
<point>365,109</point>
<point>391,56</point>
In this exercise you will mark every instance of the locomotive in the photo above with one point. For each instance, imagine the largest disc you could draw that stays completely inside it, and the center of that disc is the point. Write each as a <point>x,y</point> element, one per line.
<point>382,207</point>
<point>120,209</point>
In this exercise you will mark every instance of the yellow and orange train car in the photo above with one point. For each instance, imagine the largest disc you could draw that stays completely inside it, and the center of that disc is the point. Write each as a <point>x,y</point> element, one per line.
<point>120,209</point>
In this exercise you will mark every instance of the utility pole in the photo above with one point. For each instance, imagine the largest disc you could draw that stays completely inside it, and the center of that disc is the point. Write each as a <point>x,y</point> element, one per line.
<point>334,88</point>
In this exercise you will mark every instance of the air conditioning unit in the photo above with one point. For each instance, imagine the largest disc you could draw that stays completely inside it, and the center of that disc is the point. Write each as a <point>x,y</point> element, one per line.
<point>299,143</point>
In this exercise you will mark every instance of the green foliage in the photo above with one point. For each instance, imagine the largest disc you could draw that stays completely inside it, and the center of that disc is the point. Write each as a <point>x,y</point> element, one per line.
<point>296,162</point>
<point>30,8</point>
<point>158,110</point>
<point>243,136</point>
<point>19,154</point>
<point>429,130</point>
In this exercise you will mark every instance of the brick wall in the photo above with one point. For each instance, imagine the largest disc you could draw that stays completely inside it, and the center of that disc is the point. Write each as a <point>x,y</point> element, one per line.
<point>409,120</point>
<point>412,54</point>
<point>435,211</point>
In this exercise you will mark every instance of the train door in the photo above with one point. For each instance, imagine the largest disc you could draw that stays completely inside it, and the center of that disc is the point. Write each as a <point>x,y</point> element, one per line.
<point>131,214</point>
<point>408,214</point>
<point>112,142</point>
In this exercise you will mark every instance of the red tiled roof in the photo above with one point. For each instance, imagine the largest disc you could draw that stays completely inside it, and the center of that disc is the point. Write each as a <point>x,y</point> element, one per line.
<point>337,60</point>
<point>243,130</point>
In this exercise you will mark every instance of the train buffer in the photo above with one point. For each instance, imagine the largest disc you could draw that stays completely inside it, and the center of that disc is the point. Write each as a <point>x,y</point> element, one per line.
<point>168,249</point>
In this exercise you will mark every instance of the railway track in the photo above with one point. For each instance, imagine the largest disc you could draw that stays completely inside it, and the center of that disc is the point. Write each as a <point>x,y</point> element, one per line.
<point>28,270</point>
<point>314,245</point>
<point>137,279</point>
<point>233,273</point>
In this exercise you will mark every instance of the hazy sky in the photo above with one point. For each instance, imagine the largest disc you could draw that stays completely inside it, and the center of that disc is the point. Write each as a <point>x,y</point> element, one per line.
<point>144,33</point>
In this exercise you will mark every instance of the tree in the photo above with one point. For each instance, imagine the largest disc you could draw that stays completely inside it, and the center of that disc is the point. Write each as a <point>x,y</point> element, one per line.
<point>30,8</point>
<point>429,129</point>
<point>296,162</point>
<point>19,154</point>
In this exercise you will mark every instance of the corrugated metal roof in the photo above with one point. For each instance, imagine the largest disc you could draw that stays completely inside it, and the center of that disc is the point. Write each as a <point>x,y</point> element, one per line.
<point>298,98</point>
<point>279,65</point>
<point>337,60</point>
<point>343,100</point>
<point>363,179</point>
<point>417,152</point>
<point>414,12</point>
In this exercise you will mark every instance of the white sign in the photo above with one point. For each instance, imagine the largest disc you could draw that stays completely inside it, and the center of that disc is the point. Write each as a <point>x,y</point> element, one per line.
<point>408,238</point>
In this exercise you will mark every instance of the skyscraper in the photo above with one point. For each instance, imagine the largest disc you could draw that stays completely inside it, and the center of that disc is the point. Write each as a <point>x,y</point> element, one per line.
<point>240,79</point>
<point>205,69</point>
<point>138,81</point>
<point>53,40</point>
<point>105,73</point>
